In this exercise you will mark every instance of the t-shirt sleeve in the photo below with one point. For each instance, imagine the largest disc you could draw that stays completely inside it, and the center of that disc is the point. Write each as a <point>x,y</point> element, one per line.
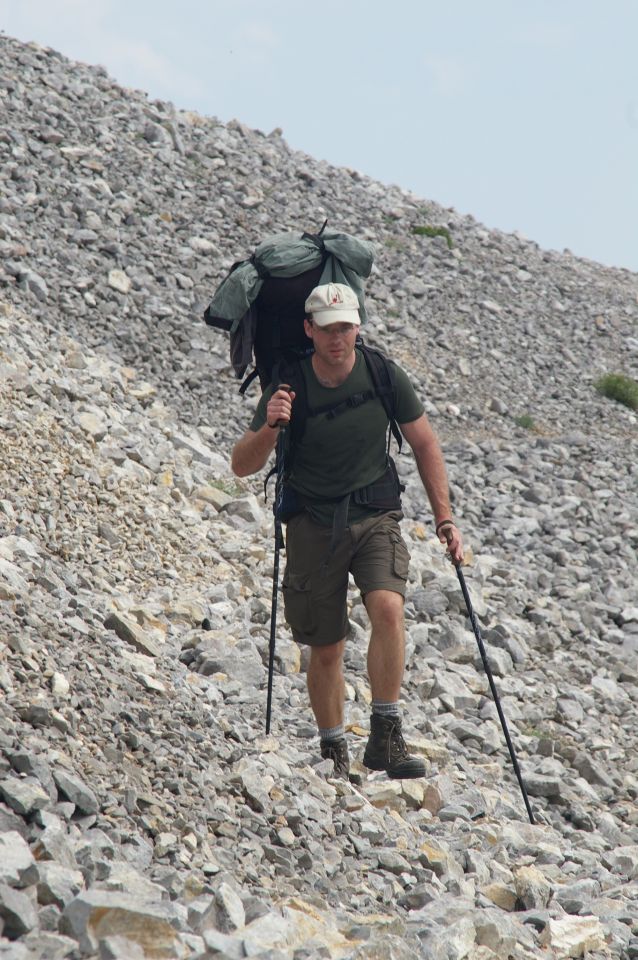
<point>409,407</point>
<point>259,417</point>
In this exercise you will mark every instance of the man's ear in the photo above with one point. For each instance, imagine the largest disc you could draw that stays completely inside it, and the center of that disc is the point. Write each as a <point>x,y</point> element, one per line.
<point>307,325</point>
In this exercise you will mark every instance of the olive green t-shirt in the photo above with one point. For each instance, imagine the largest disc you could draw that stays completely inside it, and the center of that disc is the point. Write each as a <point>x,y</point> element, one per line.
<point>341,454</point>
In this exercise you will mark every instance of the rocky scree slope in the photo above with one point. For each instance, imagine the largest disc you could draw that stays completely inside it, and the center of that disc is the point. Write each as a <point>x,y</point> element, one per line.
<point>142,811</point>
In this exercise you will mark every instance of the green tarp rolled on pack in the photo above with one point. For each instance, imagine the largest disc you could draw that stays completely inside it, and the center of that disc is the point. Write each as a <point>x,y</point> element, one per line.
<point>307,260</point>
<point>349,260</point>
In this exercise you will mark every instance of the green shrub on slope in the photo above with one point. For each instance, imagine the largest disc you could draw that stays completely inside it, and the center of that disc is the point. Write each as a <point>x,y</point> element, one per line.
<point>617,386</point>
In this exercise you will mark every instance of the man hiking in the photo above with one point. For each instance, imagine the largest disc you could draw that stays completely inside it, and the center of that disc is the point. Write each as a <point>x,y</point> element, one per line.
<point>347,521</point>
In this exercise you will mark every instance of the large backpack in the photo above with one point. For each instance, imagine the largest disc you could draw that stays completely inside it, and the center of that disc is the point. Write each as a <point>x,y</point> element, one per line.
<point>261,301</point>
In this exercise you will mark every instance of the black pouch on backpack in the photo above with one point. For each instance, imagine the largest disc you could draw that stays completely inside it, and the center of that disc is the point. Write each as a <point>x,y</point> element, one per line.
<point>280,331</point>
<point>384,493</point>
<point>290,504</point>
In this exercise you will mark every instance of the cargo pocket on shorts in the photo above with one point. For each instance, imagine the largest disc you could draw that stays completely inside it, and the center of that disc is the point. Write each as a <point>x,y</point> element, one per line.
<point>298,602</point>
<point>401,561</point>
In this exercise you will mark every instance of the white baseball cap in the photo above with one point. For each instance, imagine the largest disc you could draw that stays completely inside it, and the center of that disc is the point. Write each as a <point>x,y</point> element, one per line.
<point>333,303</point>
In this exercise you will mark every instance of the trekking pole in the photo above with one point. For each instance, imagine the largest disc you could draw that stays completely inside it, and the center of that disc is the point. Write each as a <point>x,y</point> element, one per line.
<point>279,489</point>
<point>488,671</point>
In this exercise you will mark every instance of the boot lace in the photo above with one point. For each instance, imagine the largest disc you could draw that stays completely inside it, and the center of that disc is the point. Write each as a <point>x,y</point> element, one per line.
<point>397,749</point>
<point>338,753</point>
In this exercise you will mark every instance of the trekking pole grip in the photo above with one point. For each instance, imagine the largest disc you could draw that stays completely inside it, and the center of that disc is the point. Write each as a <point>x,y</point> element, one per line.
<point>282,424</point>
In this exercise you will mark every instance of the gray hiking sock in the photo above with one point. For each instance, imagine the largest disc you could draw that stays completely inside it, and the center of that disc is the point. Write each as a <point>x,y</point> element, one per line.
<point>385,709</point>
<point>332,733</point>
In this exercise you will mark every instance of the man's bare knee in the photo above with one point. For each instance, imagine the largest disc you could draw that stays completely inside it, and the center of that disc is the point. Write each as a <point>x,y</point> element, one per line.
<point>328,655</point>
<point>385,608</point>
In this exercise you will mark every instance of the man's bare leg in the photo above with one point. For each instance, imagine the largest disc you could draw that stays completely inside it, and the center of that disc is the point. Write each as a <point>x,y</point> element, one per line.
<point>327,692</point>
<point>386,749</point>
<point>326,686</point>
<point>386,651</point>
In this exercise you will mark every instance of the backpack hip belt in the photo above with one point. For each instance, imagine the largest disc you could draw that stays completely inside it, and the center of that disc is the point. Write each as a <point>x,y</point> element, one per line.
<point>383,494</point>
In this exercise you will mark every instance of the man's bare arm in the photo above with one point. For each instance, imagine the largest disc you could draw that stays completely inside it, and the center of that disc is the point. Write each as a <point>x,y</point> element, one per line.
<point>251,451</point>
<point>429,459</point>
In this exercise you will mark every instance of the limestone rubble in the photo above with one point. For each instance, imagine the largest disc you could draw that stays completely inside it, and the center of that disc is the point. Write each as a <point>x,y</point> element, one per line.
<point>143,812</point>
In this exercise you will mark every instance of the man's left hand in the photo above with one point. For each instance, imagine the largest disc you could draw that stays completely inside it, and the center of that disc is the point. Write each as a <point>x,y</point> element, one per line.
<point>450,534</point>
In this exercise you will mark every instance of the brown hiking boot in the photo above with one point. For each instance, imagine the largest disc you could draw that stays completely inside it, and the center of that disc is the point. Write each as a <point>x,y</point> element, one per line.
<point>337,751</point>
<point>386,750</point>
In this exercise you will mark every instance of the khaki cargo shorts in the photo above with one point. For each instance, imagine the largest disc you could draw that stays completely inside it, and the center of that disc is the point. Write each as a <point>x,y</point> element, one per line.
<point>315,592</point>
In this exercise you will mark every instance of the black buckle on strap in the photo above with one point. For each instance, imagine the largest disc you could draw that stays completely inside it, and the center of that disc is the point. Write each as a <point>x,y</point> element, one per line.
<point>356,400</point>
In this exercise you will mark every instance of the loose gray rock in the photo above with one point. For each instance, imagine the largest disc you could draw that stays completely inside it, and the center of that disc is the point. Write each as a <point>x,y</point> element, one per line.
<point>57,884</point>
<point>17,912</point>
<point>532,888</point>
<point>76,791</point>
<point>17,864</point>
<point>24,796</point>
<point>136,571</point>
<point>98,915</point>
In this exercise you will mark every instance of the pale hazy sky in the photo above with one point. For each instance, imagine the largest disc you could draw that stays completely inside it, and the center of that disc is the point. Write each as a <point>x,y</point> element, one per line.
<point>523,113</point>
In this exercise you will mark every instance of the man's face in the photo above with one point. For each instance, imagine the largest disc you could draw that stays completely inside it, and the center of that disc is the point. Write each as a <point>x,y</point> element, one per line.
<point>333,343</point>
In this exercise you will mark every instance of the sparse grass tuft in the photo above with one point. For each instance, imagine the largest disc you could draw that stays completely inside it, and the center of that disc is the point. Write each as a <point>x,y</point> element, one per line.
<point>393,243</point>
<point>232,487</point>
<point>617,386</point>
<point>434,232</point>
<point>525,421</point>
<point>529,730</point>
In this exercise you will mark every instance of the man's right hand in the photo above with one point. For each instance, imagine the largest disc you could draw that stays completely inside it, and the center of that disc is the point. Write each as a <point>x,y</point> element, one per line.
<point>279,408</point>
<point>251,451</point>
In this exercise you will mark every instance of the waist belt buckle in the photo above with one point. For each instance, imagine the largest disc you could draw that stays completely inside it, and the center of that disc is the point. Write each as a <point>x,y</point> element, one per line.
<point>362,496</point>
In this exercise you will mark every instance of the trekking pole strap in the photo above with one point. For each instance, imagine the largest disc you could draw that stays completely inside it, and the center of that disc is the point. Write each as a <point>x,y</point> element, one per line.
<point>443,523</point>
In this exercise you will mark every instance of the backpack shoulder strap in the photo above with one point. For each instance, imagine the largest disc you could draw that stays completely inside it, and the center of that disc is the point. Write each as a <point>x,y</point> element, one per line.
<point>383,378</point>
<point>299,412</point>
